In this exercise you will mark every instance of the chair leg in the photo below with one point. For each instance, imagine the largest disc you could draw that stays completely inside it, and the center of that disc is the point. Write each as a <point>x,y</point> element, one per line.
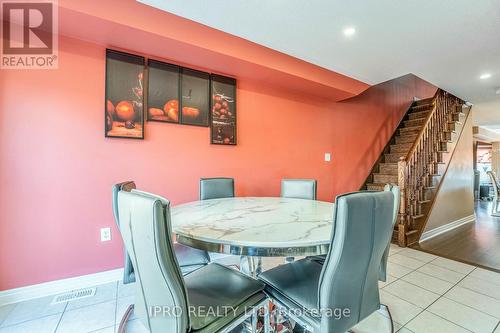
<point>267,317</point>
<point>126,316</point>
<point>251,262</point>
<point>258,266</point>
<point>255,316</point>
<point>390,316</point>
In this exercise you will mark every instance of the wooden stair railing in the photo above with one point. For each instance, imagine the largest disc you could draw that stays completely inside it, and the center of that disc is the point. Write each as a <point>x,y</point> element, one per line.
<point>416,169</point>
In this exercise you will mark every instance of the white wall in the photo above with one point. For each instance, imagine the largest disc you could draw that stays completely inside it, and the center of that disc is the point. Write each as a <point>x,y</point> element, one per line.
<point>455,199</point>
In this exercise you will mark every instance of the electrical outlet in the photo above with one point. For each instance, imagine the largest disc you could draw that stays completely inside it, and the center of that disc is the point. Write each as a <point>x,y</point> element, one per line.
<point>105,234</point>
<point>328,157</point>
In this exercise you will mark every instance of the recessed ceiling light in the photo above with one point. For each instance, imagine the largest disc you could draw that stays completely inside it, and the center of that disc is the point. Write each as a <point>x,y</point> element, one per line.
<point>485,76</point>
<point>349,31</point>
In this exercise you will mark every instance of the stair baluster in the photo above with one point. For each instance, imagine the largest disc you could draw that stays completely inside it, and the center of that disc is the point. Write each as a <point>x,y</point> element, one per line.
<point>416,169</point>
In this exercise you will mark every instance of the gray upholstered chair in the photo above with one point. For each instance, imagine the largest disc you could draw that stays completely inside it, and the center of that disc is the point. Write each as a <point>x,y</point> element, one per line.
<point>189,259</point>
<point>215,188</point>
<point>213,298</point>
<point>394,189</point>
<point>349,277</point>
<point>298,188</point>
<point>218,188</point>
<point>397,199</point>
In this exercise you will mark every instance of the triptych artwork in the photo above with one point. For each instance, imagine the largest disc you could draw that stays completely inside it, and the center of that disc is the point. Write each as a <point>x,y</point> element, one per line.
<point>172,94</point>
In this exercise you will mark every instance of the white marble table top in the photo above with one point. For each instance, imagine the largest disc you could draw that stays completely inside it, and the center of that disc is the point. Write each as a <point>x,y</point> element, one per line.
<point>255,221</point>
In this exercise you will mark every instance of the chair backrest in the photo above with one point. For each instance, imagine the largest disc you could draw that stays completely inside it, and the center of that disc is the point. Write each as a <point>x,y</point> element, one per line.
<point>146,231</point>
<point>494,182</point>
<point>298,188</point>
<point>128,269</point>
<point>397,200</point>
<point>349,277</point>
<point>125,186</point>
<point>215,188</point>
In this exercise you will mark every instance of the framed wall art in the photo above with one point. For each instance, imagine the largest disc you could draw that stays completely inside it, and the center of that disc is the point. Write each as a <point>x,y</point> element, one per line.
<point>195,97</point>
<point>223,110</point>
<point>124,110</point>
<point>163,91</point>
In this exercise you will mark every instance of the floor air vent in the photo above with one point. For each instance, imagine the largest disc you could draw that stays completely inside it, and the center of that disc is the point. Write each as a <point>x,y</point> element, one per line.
<point>74,295</point>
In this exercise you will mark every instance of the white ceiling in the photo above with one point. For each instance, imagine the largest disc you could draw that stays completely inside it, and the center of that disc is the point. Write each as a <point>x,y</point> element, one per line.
<point>487,115</point>
<point>447,42</point>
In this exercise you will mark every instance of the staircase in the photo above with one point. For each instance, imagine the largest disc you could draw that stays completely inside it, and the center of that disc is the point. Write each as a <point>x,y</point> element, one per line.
<point>416,158</point>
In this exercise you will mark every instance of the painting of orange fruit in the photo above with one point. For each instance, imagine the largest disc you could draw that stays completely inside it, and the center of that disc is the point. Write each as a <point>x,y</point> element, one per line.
<point>195,102</point>
<point>163,92</point>
<point>124,114</point>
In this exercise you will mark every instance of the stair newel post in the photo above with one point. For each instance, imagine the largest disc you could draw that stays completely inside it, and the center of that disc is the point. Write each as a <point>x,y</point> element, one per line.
<point>439,111</point>
<point>443,105</point>
<point>403,216</point>
<point>438,130</point>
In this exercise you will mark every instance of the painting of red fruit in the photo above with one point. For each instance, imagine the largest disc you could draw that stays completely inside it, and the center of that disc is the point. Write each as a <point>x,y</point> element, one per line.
<point>163,91</point>
<point>124,110</point>
<point>223,120</point>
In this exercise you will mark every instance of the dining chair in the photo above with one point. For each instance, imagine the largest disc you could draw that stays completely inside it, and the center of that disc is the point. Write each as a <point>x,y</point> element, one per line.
<point>394,189</point>
<point>336,296</point>
<point>215,188</point>
<point>218,188</point>
<point>496,191</point>
<point>298,188</point>
<point>189,258</point>
<point>213,298</point>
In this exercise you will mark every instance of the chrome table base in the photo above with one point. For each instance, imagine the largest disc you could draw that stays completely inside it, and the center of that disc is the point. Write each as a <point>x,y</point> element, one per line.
<point>252,266</point>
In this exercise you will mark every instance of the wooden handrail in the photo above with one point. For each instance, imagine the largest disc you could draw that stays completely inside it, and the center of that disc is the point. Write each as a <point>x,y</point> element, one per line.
<point>420,134</point>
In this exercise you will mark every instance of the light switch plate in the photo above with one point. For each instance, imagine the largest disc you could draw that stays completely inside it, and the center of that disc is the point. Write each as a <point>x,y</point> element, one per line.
<point>328,157</point>
<point>105,234</point>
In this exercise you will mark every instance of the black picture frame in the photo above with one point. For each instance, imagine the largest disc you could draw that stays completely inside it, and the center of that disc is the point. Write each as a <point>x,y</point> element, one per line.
<point>163,92</point>
<point>124,95</point>
<point>223,113</point>
<point>194,103</point>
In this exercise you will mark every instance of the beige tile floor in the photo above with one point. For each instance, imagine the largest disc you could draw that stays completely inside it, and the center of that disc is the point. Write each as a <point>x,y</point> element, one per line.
<point>426,294</point>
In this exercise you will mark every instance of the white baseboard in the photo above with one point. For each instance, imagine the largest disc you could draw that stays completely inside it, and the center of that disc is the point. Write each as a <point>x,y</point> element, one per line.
<point>447,227</point>
<point>59,286</point>
<point>79,282</point>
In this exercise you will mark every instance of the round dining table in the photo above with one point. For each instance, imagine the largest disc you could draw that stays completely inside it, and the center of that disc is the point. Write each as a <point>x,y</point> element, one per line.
<point>255,226</point>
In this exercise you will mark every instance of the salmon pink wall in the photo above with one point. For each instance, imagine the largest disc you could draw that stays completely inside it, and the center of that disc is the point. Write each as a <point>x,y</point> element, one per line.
<point>57,168</point>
